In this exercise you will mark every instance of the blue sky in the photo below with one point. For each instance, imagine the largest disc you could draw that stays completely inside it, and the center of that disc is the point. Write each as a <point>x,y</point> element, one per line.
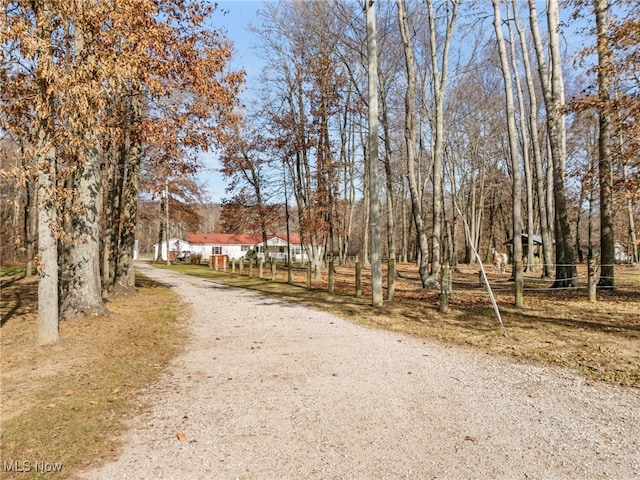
<point>240,14</point>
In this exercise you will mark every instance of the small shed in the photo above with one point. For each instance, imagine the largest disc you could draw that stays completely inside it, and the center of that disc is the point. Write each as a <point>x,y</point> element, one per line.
<point>536,244</point>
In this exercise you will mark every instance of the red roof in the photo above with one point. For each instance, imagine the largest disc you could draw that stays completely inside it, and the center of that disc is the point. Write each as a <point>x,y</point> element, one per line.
<point>294,239</point>
<point>236,238</point>
<point>223,238</point>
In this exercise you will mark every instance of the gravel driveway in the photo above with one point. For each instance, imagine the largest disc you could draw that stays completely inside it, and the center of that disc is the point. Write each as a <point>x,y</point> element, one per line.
<point>271,390</point>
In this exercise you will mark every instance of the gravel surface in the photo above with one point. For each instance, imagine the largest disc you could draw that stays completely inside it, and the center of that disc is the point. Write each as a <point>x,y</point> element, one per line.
<point>271,390</point>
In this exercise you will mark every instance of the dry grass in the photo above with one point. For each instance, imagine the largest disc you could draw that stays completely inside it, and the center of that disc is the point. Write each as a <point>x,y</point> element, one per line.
<point>558,327</point>
<point>67,404</point>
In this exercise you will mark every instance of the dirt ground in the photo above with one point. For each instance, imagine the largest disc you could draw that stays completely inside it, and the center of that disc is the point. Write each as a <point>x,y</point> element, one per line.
<point>66,403</point>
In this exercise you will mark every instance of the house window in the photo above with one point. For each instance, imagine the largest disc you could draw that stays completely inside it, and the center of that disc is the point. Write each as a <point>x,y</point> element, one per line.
<point>244,248</point>
<point>217,250</point>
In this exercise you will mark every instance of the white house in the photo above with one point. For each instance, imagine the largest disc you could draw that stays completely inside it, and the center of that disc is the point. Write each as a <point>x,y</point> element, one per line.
<point>176,245</point>
<point>277,248</point>
<point>230,244</point>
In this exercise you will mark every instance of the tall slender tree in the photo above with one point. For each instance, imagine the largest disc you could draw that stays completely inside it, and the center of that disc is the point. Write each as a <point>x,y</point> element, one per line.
<point>553,92</point>
<point>373,169</point>
<point>605,175</point>
<point>410,144</point>
<point>516,189</point>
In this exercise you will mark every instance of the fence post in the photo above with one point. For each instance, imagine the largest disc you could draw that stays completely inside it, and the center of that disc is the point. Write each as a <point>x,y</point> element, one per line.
<point>251,267</point>
<point>445,288</point>
<point>240,265</point>
<point>233,265</point>
<point>358,279</point>
<point>215,263</point>
<point>391,278</point>
<point>273,269</point>
<point>260,266</point>
<point>224,263</point>
<point>331,276</point>
<point>591,270</point>
<point>308,275</point>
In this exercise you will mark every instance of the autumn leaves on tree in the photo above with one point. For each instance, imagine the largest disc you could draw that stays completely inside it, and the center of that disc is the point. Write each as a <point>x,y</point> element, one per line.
<point>94,93</point>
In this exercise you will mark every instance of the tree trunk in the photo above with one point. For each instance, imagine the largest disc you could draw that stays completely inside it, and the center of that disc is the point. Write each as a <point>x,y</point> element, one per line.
<point>47,247</point>
<point>410,141</point>
<point>30,226</point>
<point>391,241</point>
<point>607,239</point>
<point>405,232</point>
<point>545,227</point>
<point>566,273</point>
<point>84,295</point>
<point>439,71</point>
<point>47,332</point>
<point>374,181</point>
<point>124,279</point>
<point>526,160</point>
<point>516,193</point>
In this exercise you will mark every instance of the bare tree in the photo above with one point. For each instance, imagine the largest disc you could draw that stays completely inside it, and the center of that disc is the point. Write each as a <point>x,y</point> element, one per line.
<point>410,144</point>
<point>439,71</point>
<point>374,174</point>
<point>516,189</point>
<point>553,92</point>
<point>545,227</point>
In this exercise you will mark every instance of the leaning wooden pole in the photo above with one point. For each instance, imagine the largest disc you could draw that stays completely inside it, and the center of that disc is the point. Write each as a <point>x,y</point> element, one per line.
<point>483,274</point>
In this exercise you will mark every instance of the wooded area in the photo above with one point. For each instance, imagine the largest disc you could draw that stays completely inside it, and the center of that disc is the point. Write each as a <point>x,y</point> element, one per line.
<point>486,117</point>
<point>101,102</point>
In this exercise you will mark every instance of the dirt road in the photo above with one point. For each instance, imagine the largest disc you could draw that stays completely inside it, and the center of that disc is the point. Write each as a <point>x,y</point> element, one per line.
<point>269,390</point>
